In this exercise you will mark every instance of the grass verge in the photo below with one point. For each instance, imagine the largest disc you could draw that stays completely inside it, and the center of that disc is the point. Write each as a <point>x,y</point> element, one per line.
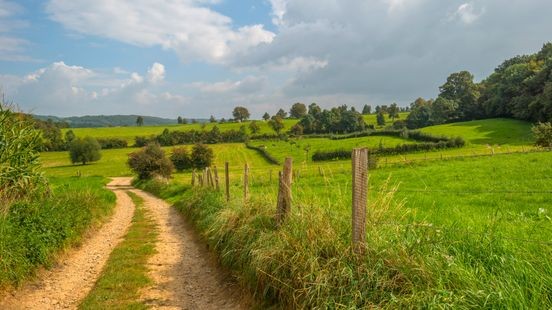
<point>33,232</point>
<point>125,272</point>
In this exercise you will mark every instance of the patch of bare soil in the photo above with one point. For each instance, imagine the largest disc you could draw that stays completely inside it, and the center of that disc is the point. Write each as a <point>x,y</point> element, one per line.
<point>185,275</point>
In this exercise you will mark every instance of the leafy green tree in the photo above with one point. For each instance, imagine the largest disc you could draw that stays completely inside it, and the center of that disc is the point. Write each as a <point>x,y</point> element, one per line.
<point>281,113</point>
<point>214,135</point>
<point>298,110</point>
<point>180,157</point>
<point>84,150</point>
<point>179,120</point>
<point>240,114</point>
<point>393,111</point>
<point>202,156</point>
<point>380,118</point>
<point>296,130</point>
<point>150,161</point>
<point>276,123</point>
<point>543,134</point>
<point>212,119</point>
<point>421,114</point>
<point>184,121</point>
<point>443,110</point>
<point>139,121</point>
<point>367,109</point>
<point>266,116</point>
<point>254,127</point>
<point>460,87</point>
<point>314,110</point>
<point>69,136</point>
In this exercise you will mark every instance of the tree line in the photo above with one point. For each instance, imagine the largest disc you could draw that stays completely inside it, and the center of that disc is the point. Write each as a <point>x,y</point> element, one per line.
<point>519,88</point>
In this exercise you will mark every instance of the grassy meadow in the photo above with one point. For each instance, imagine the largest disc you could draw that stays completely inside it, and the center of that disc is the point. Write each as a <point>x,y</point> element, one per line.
<point>130,132</point>
<point>445,232</point>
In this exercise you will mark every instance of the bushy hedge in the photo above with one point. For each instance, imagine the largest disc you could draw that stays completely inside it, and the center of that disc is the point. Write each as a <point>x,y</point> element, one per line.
<point>112,143</point>
<point>399,149</point>
<point>262,151</point>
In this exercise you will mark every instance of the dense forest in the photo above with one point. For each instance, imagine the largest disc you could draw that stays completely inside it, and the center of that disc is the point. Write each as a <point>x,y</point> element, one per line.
<point>520,88</point>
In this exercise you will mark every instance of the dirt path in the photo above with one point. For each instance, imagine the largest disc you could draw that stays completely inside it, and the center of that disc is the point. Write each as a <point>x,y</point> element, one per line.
<point>184,274</point>
<point>63,286</point>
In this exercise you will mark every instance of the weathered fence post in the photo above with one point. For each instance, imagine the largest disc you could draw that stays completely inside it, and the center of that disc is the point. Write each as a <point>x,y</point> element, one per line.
<point>360,192</point>
<point>211,179</point>
<point>193,177</point>
<point>246,182</point>
<point>227,181</point>
<point>204,180</point>
<point>215,170</point>
<point>284,191</point>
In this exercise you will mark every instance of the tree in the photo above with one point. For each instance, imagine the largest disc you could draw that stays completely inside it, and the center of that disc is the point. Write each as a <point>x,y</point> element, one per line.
<point>181,159</point>
<point>281,113</point>
<point>276,123</point>
<point>150,161</point>
<point>240,114</point>
<point>69,137</point>
<point>380,118</point>
<point>214,135</point>
<point>84,150</point>
<point>367,109</point>
<point>202,156</point>
<point>393,111</point>
<point>179,120</point>
<point>314,109</point>
<point>378,109</point>
<point>266,116</point>
<point>254,127</point>
<point>184,121</point>
<point>421,114</point>
<point>543,134</point>
<point>298,110</point>
<point>212,119</point>
<point>460,87</point>
<point>139,121</point>
<point>296,129</point>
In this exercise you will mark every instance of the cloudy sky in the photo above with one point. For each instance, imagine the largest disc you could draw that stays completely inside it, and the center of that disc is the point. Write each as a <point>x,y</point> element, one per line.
<point>197,58</point>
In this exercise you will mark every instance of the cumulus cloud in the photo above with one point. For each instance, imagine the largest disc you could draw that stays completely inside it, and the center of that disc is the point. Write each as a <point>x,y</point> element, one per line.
<point>63,89</point>
<point>188,27</point>
<point>156,73</point>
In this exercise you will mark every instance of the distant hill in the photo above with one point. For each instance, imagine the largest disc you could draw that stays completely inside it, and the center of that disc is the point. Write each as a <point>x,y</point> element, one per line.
<point>107,120</point>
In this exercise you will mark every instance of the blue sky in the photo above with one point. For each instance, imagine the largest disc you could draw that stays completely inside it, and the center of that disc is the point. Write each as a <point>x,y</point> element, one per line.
<point>197,58</point>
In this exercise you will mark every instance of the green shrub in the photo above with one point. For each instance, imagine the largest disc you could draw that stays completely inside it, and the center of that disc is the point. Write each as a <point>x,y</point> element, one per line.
<point>84,150</point>
<point>202,156</point>
<point>543,134</point>
<point>181,159</point>
<point>262,151</point>
<point>112,143</point>
<point>150,161</point>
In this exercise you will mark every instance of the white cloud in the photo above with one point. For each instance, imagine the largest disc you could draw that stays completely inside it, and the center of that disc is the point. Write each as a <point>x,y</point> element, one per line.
<point>187,26</point>
<point>250,84</point>
<point>156,73</point>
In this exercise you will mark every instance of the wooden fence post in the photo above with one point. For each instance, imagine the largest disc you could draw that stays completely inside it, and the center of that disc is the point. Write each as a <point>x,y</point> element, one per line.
<point>246,182</point>
<point>204,180</point>
<point>360,196</point>
<point>215,170</point>
<point>227,181</point>
<point>193,177</point>
<point>284,191</point>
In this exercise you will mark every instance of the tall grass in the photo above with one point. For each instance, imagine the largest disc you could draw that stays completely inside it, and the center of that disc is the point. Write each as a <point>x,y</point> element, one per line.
<point>476,257</point>
<point>20,174</point>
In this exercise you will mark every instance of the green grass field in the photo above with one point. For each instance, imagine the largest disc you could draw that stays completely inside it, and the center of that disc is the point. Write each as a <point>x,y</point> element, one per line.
<point>129,133</point>
<point>455,233</point>
<point>464,233</point>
